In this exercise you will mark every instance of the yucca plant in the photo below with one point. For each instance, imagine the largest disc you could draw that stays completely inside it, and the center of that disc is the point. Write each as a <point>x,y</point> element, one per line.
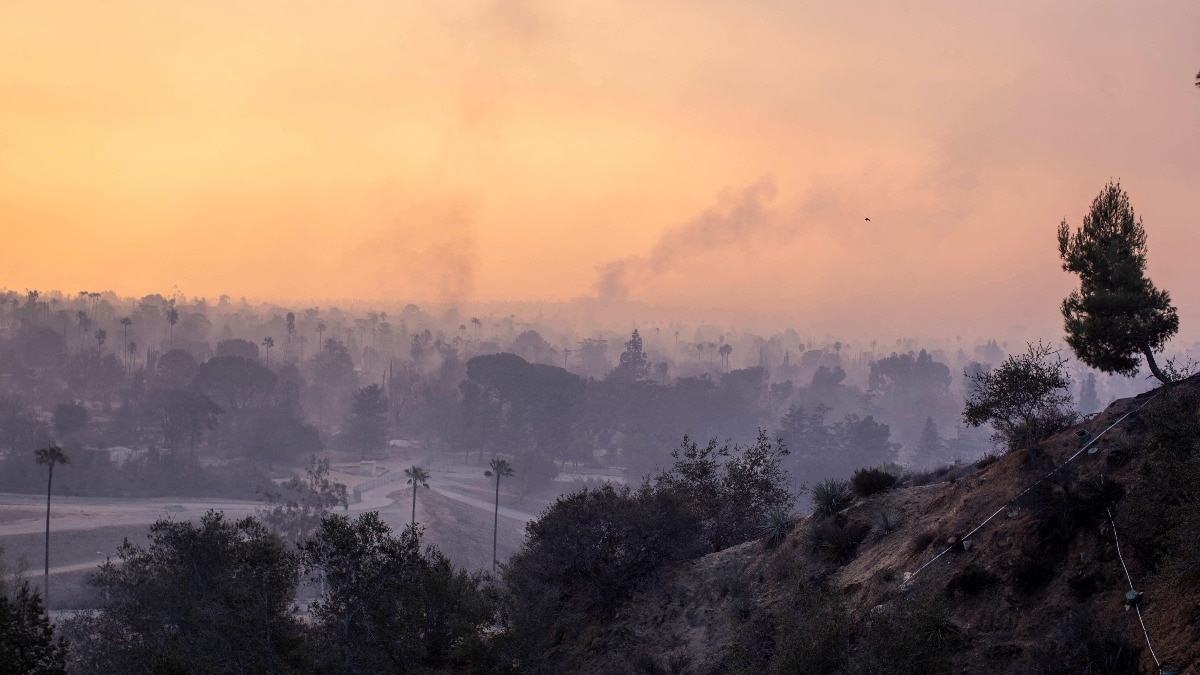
<point>831,496</point>
<point>886,523</point>
<point>776,526</point>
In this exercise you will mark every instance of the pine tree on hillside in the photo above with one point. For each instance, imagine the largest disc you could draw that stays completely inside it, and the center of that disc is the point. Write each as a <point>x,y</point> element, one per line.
<point>1117,314</point>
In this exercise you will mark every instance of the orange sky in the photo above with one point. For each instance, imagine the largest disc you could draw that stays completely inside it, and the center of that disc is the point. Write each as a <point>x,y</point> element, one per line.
<point>465,151</point>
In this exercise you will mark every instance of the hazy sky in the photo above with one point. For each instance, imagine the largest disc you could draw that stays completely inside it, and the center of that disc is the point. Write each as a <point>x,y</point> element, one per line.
<point>713,154</point>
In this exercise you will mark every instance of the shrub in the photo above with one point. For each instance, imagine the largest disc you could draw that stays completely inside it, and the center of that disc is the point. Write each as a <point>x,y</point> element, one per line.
<point>1092,497</point>
<point>987,460</point>
<point>588,552</point>
<point>871,481</point>
<point>913,634</point>
<point>1025,400</point>
<point>837,540</point>
<point>814,634</point>
<point>831,496</point>
<point>729,489</point>
<point>933,476</point>
<point>776,526</point>
<point>1079,644</point>
<point>886,523</point>
<point>1121,452</point>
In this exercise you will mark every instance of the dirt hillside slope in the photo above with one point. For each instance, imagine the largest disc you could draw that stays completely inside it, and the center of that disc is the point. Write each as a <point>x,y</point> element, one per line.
<point>1014,585</point>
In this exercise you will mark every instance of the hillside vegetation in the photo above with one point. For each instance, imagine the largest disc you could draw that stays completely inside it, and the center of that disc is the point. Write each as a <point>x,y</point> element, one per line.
<point>1039,589</point>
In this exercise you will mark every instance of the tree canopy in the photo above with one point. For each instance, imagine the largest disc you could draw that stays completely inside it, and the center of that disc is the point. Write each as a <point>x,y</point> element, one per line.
<point>1025,399</point>
<point>1116,314</point>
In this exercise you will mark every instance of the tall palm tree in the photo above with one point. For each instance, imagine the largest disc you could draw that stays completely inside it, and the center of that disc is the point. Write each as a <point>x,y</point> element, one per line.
<point>417,477</point>
<point>500,469</point>
<point>126,322</point>
<point>172,318</point>
<point>268,342</point>
<point>49,456</point>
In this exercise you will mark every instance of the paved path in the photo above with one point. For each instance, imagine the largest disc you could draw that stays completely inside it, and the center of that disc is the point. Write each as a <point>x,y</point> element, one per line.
<point>486,506</point>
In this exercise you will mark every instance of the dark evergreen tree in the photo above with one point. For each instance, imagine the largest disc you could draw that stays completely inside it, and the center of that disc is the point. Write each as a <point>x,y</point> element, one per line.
<point>368,427</point>
<point>27,642</point>
<point>388,607</point>
<point>207,598</point>
<point>634,365</point>
<point>931,446</point>
<point>1117,313</point>
<point>1089,402</point>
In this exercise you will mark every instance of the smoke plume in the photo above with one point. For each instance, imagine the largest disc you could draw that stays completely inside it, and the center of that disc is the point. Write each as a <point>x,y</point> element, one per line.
<point>739,219</point>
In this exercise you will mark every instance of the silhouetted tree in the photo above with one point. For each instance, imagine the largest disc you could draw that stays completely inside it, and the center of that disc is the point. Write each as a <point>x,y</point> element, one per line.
<point>236,383</point>
<point>417,477</point>
<point>296,507</point>
<point>268,342</point>
<point>212,597</point>
<point>238,347</point>
<point>49,456</point>
<point>172,319</point>
<point>593,356</point>
<point>634,364</point>
<point>390,608</point>
<point>333,379</point>
<point>126,322</point>
<point>27,641</point>
<point>1089,402</point>
<point>533,471</point>
<point>368,419</point>
<point>930,446</point>
<point>175,369</point>
<point>531,346</point>
<point>1117,313</point>
<point>182,414</point>
<point>500,468</point>
<point>1025,399</point>
<point>69,419</point>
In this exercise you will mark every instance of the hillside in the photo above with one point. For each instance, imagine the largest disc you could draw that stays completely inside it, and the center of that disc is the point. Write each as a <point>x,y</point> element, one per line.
<point>1039,588</point>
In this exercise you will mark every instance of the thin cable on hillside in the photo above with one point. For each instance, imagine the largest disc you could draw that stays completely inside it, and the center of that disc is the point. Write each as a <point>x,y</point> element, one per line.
<point>1133,601</point>
<point>908,577</point>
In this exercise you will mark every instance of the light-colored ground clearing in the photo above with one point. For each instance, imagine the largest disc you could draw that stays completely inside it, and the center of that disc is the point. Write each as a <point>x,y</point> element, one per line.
<point>456,513</point>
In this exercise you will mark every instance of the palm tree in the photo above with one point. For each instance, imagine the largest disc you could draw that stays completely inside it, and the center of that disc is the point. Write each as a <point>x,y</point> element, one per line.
<point>172,318</point>
<point>101,336</point>
<point>268,342</point>
<point>725,350</point>
<point>49,456</point>
<point>500,468</point>
<point>320,335</point>
<point>417,477</point>
<point>126,322</point>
